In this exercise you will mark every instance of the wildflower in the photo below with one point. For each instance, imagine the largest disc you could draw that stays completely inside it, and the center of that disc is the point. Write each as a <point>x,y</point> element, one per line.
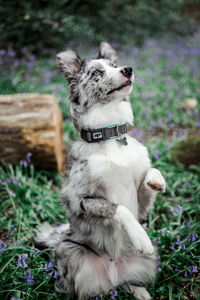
<point>21,260</point>
<point>172,247</point>
<point>162,232</point>
<point>29,180</point>
<point>115,293</point>
<point>16,182</point>
<point>177,270</point>
<point>55,275</point>
<point>9,239</point>
<point>183,246</point>
<point>179,209</point>
<point>36,250</point>
<point>23,163</point>
<point>39,207</point>
<point>11,194</point>
<point>188,239</point>
<point>189,223</point>
<point>194,236</point>
<point>12,298</point>
<point>28,157</point>
<point>159,269</point>
<point>2,243</point>
<point>194,269</point>
<point>49,266</point>
<point>29,277</point>
<point>186,274</point>
<point>178,242</point>
<point>13,229</point>
<point>156,154</point>
<point>57,224</point>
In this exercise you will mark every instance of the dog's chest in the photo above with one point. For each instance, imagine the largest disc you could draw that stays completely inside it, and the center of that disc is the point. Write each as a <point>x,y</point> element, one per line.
<point>120,169</point>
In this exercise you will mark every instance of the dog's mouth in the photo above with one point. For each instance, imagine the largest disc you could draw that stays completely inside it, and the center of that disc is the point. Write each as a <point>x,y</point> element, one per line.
<point>123,85</point>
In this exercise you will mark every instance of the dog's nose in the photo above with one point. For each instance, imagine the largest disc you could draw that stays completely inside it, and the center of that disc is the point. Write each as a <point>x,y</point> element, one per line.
<point>127,71</point>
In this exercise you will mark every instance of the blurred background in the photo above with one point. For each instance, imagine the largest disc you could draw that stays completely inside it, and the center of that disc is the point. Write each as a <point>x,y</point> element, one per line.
<point>161,41</point>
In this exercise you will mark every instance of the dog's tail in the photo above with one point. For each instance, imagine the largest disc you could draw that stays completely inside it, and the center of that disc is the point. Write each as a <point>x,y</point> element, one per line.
<point>48,236</point>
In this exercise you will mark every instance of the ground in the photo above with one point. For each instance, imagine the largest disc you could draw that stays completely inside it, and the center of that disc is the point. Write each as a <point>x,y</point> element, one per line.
<point>166,72</point>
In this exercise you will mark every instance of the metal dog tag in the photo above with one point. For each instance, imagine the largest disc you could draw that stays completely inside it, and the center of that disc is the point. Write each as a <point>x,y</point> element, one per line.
<point>123,141</point>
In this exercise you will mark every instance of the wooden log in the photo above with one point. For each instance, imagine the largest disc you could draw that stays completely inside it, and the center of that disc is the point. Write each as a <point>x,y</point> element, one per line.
<point>31,123</point>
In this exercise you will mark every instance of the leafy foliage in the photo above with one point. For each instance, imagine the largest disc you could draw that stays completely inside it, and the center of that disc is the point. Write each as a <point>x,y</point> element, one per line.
<point>55,24</point>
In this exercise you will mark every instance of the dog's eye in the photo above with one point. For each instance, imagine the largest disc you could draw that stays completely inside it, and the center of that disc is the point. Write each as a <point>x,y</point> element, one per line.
<point>97,73</point>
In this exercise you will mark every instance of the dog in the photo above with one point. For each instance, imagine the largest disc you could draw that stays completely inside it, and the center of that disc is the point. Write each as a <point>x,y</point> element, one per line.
<point>110,185</point>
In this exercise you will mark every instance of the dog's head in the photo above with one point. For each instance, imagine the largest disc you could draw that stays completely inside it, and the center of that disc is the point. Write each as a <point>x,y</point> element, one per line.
<point>94,84</point>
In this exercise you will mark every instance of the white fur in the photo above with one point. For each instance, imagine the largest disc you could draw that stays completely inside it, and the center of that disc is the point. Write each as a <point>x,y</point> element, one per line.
<point>137,234</point>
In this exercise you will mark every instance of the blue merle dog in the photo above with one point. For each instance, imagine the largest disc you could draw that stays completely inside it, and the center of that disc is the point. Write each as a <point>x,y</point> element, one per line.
<point>110,185</point>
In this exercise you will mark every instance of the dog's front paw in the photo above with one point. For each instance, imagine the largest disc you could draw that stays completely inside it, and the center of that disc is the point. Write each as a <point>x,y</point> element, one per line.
<point>142,244</point>
<point>155,180</point>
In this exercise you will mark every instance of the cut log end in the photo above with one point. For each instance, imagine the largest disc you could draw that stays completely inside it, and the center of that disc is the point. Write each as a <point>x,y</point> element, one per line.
<point>31,123</point>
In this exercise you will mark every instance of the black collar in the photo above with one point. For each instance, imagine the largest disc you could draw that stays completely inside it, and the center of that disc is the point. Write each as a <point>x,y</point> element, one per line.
<point>102,134</point>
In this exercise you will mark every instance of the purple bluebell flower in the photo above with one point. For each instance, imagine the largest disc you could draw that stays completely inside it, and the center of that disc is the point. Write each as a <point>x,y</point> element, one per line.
<point>36,250</point>
<point>28,157</point>
<point>21,260</point>
<point>29,277</point>
<point>178,242</point>
<point>179,209</point>
<point>162,232</point>
<point>55,275</point>
<point>177,270</point>
<point>16,182</point>
<point>156,154</point>
<point>11,194</point>
<point>3,244</point>
<point>183,246</point>
<point>172,247</point>
<point>13,298</point>
<point>188,239</point>
<point>23,163</point>
<point>39,207</point>
<point>51,273</point>
<point>189,223</point>
<point>49,266</point>
<point>159,269</point>
<point>194,236</point>
<point>115,293</point>
<point>29,180</point>
<point>9,238</point>
<point>186,274</point>
<point>57,224</point>
<point>194,269</point>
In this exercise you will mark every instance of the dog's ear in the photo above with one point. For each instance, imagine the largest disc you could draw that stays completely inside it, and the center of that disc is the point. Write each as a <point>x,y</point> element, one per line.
<point>106,51</point>
<point>69,63</point>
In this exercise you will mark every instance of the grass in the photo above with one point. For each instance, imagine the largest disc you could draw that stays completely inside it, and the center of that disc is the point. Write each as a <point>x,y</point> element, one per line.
<point>165,76</point>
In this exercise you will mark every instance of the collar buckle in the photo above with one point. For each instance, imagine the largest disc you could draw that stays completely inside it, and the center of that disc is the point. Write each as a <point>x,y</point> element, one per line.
<point>97,135</point>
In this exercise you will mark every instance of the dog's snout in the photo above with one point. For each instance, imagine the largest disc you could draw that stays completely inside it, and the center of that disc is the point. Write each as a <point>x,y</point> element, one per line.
<point>127,71</point>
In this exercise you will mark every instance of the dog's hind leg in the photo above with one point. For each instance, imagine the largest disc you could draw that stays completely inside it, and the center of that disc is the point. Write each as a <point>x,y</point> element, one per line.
<point>134,272</point>
<point>140,293</point>
<point>82,270</point>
